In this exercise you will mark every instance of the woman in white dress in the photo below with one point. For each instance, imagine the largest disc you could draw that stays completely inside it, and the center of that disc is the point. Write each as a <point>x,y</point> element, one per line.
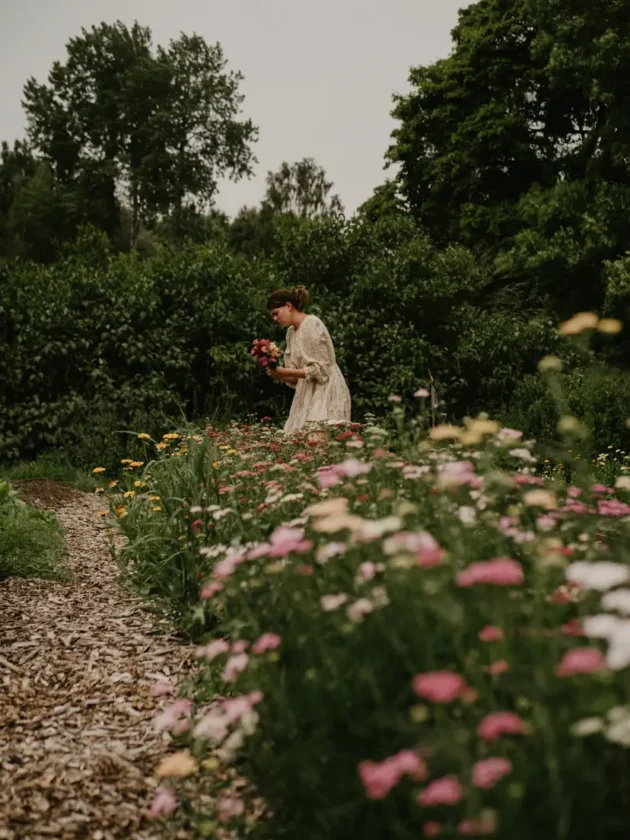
<point>310,367</point>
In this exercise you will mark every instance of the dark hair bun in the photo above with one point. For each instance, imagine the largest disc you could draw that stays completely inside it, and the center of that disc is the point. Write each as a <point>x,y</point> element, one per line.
<point>301,297</point>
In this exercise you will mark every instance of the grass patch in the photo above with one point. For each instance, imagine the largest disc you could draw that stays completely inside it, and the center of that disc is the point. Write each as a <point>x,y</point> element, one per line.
<point>51,467</point>
<point>32,542</point>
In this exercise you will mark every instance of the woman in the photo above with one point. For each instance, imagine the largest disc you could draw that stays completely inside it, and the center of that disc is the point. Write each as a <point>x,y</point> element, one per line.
<point>321,394</point>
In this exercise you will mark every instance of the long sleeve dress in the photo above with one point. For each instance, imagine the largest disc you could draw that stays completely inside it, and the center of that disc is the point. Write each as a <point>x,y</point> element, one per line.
<point>323,396</point>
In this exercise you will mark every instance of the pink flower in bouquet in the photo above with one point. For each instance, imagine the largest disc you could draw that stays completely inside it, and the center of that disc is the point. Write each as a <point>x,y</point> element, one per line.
<point>582,660</point>
<point>164,803</point>
<point>444,791</point>
<point>487,772</point>
<point>500,723</point>
<point>502,571</point>
<point>439,686</point>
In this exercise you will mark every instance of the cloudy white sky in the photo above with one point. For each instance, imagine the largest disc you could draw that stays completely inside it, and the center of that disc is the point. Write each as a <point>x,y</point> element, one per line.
<point>319,77</point>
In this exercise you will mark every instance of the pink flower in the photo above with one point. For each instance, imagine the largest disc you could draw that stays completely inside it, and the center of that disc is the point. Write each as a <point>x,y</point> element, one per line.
<point>367,572</point>
<point>503,571</point>
<point>613,507</point>
<point>421,393</point>
<point>229,807</point>
<point>487,772</point>
<point>268,641</point>
<point>235,666</point>
<point>210,590</point>
<point>432,829</point>
<point>163,804</point>
<point>573,627</point>
<point>583,660</point>
<point>498,667</point>
<point>490,633</point>
<point>444,791</point>
<point>574,492</point>
<point>330,603</point>
<point>327,477</point>
<point>500,723</point>
<point>380,777</point>
<point>439,686</point>
<point>169,717</point>
<point>240,647</point>
<point>236,708</point>
<point>286,540</point>
<point>213,649</point>
<point>359,609</point>
<point>161,688</point>
<point>477,828</point>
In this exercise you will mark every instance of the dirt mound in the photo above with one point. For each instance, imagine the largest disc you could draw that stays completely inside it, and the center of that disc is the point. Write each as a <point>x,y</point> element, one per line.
<point>44,492</point>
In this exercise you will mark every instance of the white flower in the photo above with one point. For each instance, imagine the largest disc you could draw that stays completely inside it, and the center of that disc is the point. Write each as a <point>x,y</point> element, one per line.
<point>618,656</point>
<point>587,726</point>
<point>467,515</point>
<point>379,597</point>
<point>213,726</point>
<point>292,497</point>
<point>330,603</point>
<point>523,454</point>
<point>601,576</point>
<point>619,733</point>
<point>618,600</point>
<point>329,550</point>
<point>600,626</point>
<point>370,530</point>
<point>623,482</point>
<point>359,609</point>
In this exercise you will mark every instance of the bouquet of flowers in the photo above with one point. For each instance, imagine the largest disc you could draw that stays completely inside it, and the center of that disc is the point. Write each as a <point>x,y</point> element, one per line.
<point>267,352</point>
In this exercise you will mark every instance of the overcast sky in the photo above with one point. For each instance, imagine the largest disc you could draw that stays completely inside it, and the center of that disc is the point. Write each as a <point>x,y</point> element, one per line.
<point>319,76</point>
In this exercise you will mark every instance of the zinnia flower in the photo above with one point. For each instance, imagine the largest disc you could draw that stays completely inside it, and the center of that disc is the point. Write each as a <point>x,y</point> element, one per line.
<point>500,723</point>
<point>503,571</point>
<point>444,791</point>
<point>487,772</point>
<point>439,686</point>
<point>583,660</point>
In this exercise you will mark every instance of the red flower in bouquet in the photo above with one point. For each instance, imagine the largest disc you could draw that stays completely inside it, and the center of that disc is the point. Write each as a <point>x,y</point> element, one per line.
<point>267,352</point>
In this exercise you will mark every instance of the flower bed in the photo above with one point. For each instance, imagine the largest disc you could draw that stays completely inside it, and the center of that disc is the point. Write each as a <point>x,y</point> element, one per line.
<point>432,642</point>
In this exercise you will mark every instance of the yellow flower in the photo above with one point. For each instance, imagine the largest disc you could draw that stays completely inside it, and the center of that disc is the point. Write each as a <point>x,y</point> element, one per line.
<point>581,321</point>
<point>232,452</point>
<point>541,498</point>
<point>444,432</point>
<point>170,436</point>
<point>215,465</point>
<point>224,448</point>
<point>98,470</point>
<point>154,498</point>
<point>113,483</point>
<point>178,765</point>
<point>144,436</point>
<point>610,326</point>
<point>138,483</point>
<point>156,508</point>
<point>99,490</point>
<point>126,461</point>
<point>120,510</point>
<point>103,512</point>
<point>129,494</point>
<point>137,463</point>
<point>161,445</point>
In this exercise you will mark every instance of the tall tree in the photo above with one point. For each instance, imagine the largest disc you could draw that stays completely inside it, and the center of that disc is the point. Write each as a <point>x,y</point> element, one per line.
<point>159,126</point>
<point>301,189</point>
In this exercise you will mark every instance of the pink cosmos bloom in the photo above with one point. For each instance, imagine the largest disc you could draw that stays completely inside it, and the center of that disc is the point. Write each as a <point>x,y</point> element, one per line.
<point>163,804</point>
<point>380,777</point>
<point>487,772</point>
<point>439,686</point>
<point>503,571</point>
<point>499,667</point>
<point>214,649</point>
<point>229,807</point>
<point>169,717</point>
<point>210,590</point>
<point>161,688</point>
<point>583,660</point>
<point>444,791</point>
<point>268,641</point>
<point>490,633</point>
<point>500,723</point>
<point>235,666</point>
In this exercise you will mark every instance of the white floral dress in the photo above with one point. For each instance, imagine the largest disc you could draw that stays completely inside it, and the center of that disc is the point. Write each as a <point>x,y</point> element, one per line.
<point>323,396</point>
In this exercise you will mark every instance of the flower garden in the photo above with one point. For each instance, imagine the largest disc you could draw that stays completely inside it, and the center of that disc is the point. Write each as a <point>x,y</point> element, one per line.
<point>403,634</point>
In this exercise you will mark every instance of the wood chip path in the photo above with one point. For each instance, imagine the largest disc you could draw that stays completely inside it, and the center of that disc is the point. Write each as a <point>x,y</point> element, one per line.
<point>78,661</point>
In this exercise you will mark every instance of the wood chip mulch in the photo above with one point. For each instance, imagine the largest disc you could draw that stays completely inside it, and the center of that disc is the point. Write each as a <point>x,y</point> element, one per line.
<point>78,661</point>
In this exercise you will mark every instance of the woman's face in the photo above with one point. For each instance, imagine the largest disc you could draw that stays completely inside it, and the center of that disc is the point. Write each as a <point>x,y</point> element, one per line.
<point>283,315</point>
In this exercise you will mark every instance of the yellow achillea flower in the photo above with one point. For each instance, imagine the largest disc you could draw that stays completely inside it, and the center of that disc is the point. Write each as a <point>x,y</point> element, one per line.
<point>126,461</point>
<point>136,463</point>
<point>215,465</point>
<point>224,448</point>
<point>610,326</point>
<point>144,436</point>
<point>97,470</point>
<point>99,490</point>
<point>154,498</point>
<point>161,445</point>
<point>138,483</point>
<point>156,508</point>
<point>113,483</point>
<point>103,512</point>
<point>579,322</point>
<point>170,436</point>
<point>129,494</point>
<point>121,511</point>
<point>232,452</point>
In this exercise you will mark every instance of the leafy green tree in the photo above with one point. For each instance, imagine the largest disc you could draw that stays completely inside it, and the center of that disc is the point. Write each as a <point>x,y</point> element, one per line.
<point>159,126</point>
<point>301,189</point>
<point>385,202</point>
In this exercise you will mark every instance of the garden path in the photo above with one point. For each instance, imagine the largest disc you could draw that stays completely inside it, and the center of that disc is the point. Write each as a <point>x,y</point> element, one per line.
<point>78,661</point>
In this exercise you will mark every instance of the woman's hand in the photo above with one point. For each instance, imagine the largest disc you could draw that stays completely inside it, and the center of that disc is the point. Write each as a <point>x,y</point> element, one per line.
<point>276,373</point>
